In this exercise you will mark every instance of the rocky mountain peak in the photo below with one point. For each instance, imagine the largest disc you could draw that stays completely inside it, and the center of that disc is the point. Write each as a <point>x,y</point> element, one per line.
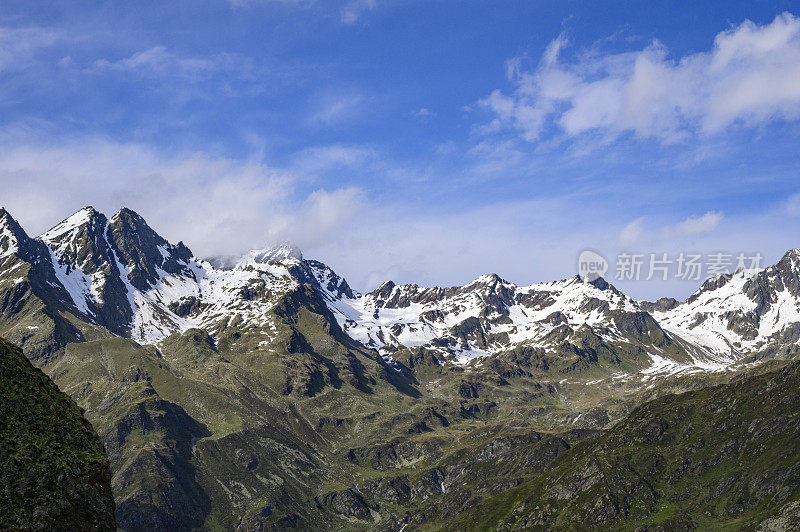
<point>79,242</point>
<point>710,284</point>
<point>86,266</point>
<point>143,251</point>
<point>600,283</point>
<point>86,217</point>
<point>783,275</point>
<point>324,277</point>
<point>12,236</point>
<point>493,290</point>
<point>794,252</point>
<point>277,253</point>
<point>489,280</point>
<point>100,262</point>
<point>128,213</point>
<point>661,304</point>
<point>790,260</point>
<point>383,291</point>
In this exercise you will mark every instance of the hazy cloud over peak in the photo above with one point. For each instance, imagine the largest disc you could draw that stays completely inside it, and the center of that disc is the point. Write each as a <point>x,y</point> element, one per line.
<point>218,206</point>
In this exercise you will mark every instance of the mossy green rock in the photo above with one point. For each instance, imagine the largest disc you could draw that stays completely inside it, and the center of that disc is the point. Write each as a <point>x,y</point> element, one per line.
<point>53,470</point>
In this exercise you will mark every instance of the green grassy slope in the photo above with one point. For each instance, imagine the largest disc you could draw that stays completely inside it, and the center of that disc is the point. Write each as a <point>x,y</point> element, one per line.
<point>53,469</point>
<point>724,457</point>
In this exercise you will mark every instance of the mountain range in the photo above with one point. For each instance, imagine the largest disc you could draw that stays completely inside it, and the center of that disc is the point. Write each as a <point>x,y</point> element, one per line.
<point>269,394</point>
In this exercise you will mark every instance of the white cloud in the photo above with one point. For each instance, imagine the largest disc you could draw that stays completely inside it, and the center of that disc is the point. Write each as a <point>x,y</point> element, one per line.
<point>355,9</point>
<point>320,158</point>
<point>635,233</point>
<point>750,76</point>
<point>792,205</point>
<point>161,61</point>
<point>522,241</point>
<point>695,225</point>
<point>218,206</point>
<point>632,232</point>
<point>550,56</point>
<point>322,214</point>
<point>332,109</point>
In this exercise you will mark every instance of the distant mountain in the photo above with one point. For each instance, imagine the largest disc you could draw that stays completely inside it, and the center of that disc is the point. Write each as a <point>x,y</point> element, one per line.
<point>744,316</point>
<point>121,275</point>
<point>266,392</point>
<point>491,317</point>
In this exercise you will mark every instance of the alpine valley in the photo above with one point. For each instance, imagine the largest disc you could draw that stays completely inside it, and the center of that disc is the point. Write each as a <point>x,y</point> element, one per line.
<point>270,395</point>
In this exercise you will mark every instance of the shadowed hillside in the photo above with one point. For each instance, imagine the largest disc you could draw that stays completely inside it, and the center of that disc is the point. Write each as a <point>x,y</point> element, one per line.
<point>53,469</point>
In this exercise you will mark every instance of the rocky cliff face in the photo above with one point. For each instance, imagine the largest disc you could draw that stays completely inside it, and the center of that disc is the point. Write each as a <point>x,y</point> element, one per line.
<point>53,470</point>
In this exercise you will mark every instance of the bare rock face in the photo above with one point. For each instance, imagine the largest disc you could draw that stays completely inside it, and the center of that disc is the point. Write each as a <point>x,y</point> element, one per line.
<point>53,471</point>
<point>661,304</point>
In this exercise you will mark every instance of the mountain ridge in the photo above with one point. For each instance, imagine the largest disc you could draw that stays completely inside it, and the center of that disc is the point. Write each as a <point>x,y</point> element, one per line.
<point>269,393</point>
<point>125,277</point>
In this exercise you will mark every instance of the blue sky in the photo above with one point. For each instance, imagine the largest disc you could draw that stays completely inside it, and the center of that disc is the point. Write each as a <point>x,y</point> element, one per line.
<point>425,142</point>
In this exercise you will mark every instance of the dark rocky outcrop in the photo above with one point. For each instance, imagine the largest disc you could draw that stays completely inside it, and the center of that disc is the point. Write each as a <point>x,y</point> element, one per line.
<point>54,474</point>
<point>659,305</point>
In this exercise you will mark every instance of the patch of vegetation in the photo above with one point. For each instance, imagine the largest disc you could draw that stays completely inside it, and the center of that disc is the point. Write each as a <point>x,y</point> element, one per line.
<point>724,457</point>
<point>53,468</point>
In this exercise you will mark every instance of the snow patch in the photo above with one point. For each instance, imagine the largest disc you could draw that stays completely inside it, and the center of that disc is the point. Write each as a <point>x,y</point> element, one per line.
<point>73,222</point>
<point>81,288</point>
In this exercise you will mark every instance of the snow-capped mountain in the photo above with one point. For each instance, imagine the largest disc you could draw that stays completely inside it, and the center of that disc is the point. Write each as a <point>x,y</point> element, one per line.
<point>122,275</point>
<point>486,316</point>
<point>751,313</point>
<point>119,274</point>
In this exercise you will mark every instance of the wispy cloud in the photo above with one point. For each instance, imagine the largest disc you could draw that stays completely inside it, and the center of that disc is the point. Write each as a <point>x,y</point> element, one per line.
<point>423,113</point>
<point>19,45</point>
<point>162,62</point>
<point>335,156</point>
<point>353,10</point>
<point>635,232</point>
<point>334,108</point>
<point>750,76</point>
<point>632,232</point>
<point>695,225</point>
<point>792,205</point>
<point>350,11</point>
